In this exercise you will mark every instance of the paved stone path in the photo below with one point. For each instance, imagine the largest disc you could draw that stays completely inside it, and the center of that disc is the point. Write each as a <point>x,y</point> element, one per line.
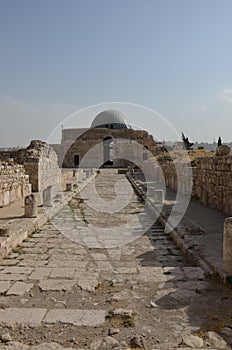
<point>58,294</point>
<point>201,227</point>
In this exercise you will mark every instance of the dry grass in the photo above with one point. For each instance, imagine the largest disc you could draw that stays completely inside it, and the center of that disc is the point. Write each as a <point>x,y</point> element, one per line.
<point>182,155</point>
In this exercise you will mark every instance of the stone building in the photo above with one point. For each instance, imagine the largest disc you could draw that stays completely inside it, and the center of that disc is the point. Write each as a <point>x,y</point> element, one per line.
<point>109,141</point>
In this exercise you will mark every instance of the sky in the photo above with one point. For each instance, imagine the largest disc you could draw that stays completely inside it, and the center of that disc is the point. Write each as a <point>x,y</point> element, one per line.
<point>170,56</point>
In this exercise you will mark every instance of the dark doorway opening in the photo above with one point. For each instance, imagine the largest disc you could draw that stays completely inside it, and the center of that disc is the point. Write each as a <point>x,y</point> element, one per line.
<point>108,152</point>
<point>76,160</point>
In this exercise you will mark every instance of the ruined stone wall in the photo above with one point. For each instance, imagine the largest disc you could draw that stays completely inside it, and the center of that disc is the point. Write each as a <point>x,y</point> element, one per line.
<point>48,169</point>
<point>211,179</point>
<point>40,163</point>
<point>213,182</point>
<point>14,183</point>
<point>174,175</point>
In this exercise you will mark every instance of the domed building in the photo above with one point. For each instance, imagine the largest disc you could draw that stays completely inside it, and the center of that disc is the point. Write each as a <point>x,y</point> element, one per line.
<point>110,119</point>
<point>103,142</point>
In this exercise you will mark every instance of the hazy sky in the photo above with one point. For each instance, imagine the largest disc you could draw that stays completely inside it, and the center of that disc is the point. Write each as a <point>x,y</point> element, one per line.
<point>173,56</point>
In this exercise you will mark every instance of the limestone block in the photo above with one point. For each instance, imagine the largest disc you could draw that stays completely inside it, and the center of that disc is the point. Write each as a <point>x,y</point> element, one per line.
<point>47,197</point>
<point>158,197</point>
<point>227,246</point>
<point>87,174</point>
<point>69,187</point>
<point>30,206</point>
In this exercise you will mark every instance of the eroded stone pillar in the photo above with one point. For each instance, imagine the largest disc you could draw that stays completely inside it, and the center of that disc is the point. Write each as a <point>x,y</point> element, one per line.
<point>69,187</point>
<point>131,169</point>
<point>158,197</point>
<point>227,246</point>
<point>87,174</point>
<point>30,204</point>
<point>4,232</point>
<point>47,197</point>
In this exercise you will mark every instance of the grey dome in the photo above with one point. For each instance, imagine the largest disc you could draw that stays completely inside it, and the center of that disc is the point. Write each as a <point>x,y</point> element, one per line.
<point>110,119</point>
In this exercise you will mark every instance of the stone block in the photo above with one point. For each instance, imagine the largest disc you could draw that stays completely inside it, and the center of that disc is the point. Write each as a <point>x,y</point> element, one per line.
<point>30,204</point>
<point>20,288</point>
<point>56,285</point>
<point>4,286</point>
<point>194,273</point>
<point>88,318</point>
<point>18,270</point>
<point>64,272</point>
<point>87,174</point>
<point>227,246</point>
<point>22,315</point>
<point>158,197</point>
<point>69,187</point>
<point>12,277</point>
<point>47,197</point>
<point>39,273</point>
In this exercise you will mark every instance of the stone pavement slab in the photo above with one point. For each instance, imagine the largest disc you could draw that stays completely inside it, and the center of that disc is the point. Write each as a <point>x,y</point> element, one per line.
<point>12,277</point>
<point>20,288</point>
<point>88,284</point>
<point>42,346</point>
<point>55,263</point>
<point>15,270</point>
<point>15,346</point>
<point>76,317</point>
<point>62,272</point>
<point>194,273</point>
<point>104,265</point>
<point>49,346</point>
<point>33,263</point>
<point>40,273</point>
<point>59,284</point>
<point>4,286</point>
<point>22,315</point>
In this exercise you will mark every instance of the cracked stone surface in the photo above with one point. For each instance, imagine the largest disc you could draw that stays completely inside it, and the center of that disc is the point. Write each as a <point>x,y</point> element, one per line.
<point>68,295</point>
<point>76,317</point>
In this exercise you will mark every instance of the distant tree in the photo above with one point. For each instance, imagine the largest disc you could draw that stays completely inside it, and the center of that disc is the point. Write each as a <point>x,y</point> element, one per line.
<point>188,145</point>
<point>164,149</point>
<point>200,147</point>
<point>219,141</point>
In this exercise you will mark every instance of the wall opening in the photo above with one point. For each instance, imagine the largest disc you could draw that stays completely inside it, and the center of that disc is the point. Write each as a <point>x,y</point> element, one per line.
<point>108,152</point>
<point>76,160</point>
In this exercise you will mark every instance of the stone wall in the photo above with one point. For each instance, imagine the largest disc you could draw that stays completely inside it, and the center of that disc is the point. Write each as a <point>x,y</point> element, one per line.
<point>14,183</point>
<point>48,169</point>
<point>213,182</point>
<point>40,163</point>
<point>211,179</point>
<point>174,175</point>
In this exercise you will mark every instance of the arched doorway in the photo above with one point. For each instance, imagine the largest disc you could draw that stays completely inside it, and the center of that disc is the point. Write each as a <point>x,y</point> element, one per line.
<point>108,156</point>
<point>145,153</point>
